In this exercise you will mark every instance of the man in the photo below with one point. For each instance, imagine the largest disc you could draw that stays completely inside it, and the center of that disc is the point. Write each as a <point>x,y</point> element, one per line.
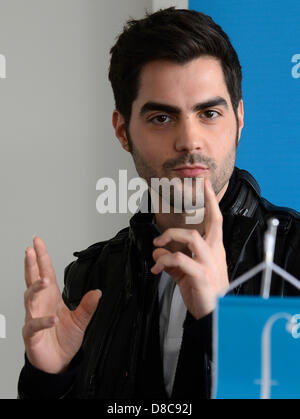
<point>134,320</point>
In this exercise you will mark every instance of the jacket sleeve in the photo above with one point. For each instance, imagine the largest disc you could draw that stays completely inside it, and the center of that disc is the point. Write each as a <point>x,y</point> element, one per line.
<point>36,384</point>
<point>193,373</point>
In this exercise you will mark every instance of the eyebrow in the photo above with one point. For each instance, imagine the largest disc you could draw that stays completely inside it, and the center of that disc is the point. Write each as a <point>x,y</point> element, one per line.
<point>157,106</point>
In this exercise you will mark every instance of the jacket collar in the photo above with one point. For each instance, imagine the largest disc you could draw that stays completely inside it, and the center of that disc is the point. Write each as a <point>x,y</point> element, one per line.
<point>237,206</point>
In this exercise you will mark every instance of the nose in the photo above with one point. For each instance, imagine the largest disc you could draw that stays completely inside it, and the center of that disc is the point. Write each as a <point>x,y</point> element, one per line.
<point>190,136</point>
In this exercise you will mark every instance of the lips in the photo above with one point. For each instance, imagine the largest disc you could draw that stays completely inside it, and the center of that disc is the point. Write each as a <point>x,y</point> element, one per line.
<point>190,171</point>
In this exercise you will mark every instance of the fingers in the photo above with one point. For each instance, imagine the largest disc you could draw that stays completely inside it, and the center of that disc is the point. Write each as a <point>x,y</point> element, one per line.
<point>44,262</point>
<point>181,262</point>
<point>34,326</point>
<point>213,218</point>
<point>191,238</point>
<point>159,252</point>
<point>87,307</point>
<point>213,221</point>
<point>37,262</point>
<point>32,273</point>
<point>31,295</point>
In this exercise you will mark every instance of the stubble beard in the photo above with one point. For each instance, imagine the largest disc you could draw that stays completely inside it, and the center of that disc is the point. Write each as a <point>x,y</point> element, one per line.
<point>219,176</point>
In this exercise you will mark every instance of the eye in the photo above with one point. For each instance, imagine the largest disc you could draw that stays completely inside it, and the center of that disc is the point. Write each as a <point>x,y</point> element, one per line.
<point>160,119</point>
<point>210,114</point>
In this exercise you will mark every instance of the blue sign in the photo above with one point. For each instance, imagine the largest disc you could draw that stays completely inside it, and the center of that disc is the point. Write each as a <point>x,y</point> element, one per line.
<point>257,348</point>
<point>266,36</point>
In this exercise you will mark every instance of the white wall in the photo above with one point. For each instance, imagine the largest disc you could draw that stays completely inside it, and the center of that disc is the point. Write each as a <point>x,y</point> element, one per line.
<point>56,141</point>
<point>162,4</point>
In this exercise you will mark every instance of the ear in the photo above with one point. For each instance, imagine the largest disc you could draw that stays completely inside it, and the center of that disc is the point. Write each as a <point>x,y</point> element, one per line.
<point>119,125</point>
<point>240,116</point>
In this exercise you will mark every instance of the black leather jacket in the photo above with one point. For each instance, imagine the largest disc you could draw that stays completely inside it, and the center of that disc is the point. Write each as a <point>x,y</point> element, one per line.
<point>120,356</point>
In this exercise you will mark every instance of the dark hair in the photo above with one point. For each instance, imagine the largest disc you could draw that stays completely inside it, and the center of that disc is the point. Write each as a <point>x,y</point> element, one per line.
<point>174,35</point>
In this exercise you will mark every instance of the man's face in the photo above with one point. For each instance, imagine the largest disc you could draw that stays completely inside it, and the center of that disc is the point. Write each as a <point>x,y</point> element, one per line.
<point>183,116</point>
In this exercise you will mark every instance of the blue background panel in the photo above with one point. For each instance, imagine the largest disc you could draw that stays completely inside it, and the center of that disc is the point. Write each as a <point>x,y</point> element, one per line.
<point>266,36</point>
<point>247,329</point>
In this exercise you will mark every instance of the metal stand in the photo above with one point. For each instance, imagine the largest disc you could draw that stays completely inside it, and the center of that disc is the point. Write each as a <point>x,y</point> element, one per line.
<point>270,240</point>
<point>267,266</point>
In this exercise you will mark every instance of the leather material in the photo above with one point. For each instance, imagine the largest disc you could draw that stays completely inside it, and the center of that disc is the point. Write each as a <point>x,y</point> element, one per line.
<point>122,340</point>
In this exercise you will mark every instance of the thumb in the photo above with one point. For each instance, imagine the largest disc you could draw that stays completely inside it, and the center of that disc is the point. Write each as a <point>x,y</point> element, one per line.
<point>87,308</point>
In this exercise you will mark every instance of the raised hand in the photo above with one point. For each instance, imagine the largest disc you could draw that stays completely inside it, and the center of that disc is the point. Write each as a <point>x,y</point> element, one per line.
<point>52,333</point>
<point>204,276</point>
